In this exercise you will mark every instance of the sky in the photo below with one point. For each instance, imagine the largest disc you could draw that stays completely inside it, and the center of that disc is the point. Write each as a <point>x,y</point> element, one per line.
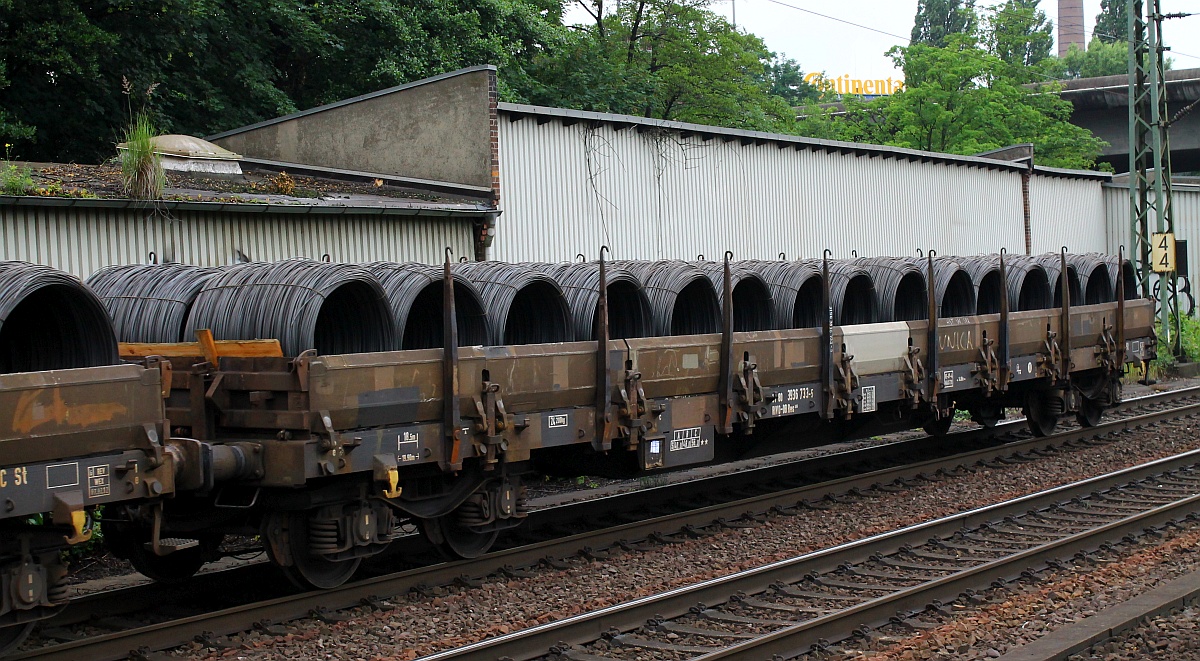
<point>838,48</point>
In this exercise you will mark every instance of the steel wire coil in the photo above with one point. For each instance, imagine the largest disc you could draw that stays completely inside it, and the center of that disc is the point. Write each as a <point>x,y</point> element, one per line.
<point>332,308</point>
<point>415,296</point>
<point>1125,271</point>
<point>753,308</point>
<point>50,320</point>
<point>953,288</point>
<point>150,302</point>
<point>1052,262</point>
<point>795,291</point>
<point>851,292</point>
<point>683,301</point>
<point>1094,280</point>
<point>990,290</point>
<point>899,287</point>
<point>1028,285</point>
<point>523,304</point>
<point>629,313</point>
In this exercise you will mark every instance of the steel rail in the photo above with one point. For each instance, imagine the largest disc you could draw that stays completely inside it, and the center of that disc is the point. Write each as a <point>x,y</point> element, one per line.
<point>537,641</point>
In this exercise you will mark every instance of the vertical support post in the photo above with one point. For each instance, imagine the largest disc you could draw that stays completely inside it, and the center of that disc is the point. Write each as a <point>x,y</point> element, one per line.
<point>931,341</point>
<point>1003,335</point>
<point>1121,308</point>
<point>1065,322</point>
<point>725,383</point>
<point>827,411</point>
<point>451,425</point>
<point>603,440</point>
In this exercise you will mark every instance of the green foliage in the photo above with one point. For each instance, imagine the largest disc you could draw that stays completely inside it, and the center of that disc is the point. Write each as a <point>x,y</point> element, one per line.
<point>226,64</point>
<point>1112,23</point>
<point>937,20</point>
<point>14,179</point>
<point>1189,341</point>
<point>141,168</point>
<point>1018,33</point>
<point>963,99</point>
<point>668,59</point>
<point>1100,59</point>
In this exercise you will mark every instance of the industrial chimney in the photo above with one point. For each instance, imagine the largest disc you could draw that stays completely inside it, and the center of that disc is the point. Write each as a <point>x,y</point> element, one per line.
<point>1070,25</point>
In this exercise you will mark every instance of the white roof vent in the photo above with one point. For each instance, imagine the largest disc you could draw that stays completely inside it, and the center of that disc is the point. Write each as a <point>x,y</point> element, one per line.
<point>185,153</point>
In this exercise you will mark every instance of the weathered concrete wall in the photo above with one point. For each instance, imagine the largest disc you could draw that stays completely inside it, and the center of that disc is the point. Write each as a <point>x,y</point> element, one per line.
<point>437,129</point>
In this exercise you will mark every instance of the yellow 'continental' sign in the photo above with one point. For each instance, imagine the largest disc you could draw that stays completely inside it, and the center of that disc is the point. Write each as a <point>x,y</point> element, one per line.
<point>846,85</point>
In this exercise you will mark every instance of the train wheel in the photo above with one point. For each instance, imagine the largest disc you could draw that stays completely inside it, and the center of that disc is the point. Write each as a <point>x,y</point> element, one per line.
<point>939,426</point>
<point>1090,412</point>
<point>307,569</point>
<point>987,415</point>
<point>13,635</point>
<point>456,541</point>
<point>1041,413</point>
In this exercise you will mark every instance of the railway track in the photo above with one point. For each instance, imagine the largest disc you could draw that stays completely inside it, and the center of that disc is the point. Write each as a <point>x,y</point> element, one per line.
<point>555,527</point>
<point>787,608</point>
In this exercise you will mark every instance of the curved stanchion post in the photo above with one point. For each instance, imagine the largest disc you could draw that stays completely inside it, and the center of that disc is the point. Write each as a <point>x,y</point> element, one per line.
<point>451,424</point>
<point>827,410</point>
<point>725,385</point>
<point>1064,282</point>
<point>1121,307</point>
<point>1004,310</point>
<point>931,340</point>
<point>603,440</point>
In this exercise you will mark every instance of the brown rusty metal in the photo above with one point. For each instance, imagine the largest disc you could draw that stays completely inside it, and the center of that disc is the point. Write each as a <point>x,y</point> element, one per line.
<point>1004,348</point>
<point>725,387</point>
<point>1065,323</point>
<point>828,408</point>
<point>933,382</point>
<point>451,426</point>
<point>604,419</point>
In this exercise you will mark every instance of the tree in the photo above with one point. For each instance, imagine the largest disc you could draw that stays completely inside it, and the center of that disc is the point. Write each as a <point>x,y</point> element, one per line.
<point>963,100</point>
<point>668,59</point>
<point>1019,33</point>
<point>67,60</point>
<point>1100,59</point>
<point>936,20</point>
<point>1112,23</point>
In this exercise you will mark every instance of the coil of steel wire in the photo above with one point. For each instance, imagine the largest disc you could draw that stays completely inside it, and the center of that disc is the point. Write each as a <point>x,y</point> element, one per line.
<point>150,302</point>
<point>1052,262</point>
<point>984,271</point>
<point>753,308</point>
<point>953,288</point>
<point>1124,271</point>
<point>333,308</point>
<point>49,320</point>
<point>851,292</point>
<point>414,293</point>
<point>1094,280</point>
<point>899,287</point>
<point>683,301</point>
<point>629,312</point>
<point>1028,284</point>
<point>795,291</point>
<point>523,304</point>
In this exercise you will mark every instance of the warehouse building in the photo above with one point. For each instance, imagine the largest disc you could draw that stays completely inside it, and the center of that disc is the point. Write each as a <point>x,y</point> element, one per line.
<point>523,183</point>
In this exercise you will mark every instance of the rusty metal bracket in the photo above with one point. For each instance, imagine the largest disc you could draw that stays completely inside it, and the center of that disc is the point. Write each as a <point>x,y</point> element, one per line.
<point>845,383</point>
<point>914,378</point>
<point>635,418</point>
<point>1051,357</point>
<point>987,370</point>
<point>1121,307</point>
<point>451,423</point>
<point>604,418</point>
<point>300,365</point>
<point>491,423</point>
<point>725,387</point>
<point>750,399</point>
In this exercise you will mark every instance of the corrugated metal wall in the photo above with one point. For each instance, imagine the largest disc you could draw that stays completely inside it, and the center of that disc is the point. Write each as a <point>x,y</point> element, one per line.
<point>1186,208</point>
<point>1066,212</point>
<point>81,239</point>
<point>569,189</point>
